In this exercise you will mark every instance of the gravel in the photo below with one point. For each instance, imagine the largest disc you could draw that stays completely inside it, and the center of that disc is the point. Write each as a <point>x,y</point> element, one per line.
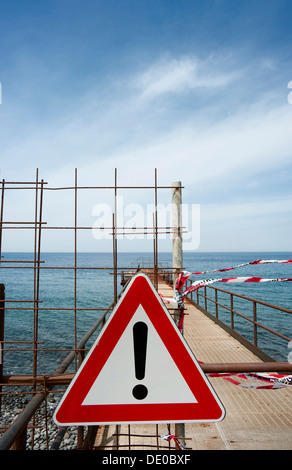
<point>12,405</point>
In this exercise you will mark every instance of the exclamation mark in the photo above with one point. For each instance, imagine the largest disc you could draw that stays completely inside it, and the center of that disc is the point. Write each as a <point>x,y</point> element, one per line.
<point>140,332</point>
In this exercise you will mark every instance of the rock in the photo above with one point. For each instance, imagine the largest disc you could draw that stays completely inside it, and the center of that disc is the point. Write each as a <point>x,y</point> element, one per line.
<point>13,405</point>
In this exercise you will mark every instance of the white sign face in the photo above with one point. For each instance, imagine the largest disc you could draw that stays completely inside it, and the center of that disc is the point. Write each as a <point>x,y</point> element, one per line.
<point>163,380</point>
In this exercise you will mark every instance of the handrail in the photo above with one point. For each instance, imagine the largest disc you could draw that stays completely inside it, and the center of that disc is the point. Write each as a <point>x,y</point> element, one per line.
<point>283,309</point>
<point>233,312</point>
<point>247,318</point>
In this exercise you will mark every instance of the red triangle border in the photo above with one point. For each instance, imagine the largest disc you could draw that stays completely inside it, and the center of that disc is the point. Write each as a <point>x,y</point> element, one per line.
<point>70,410</point>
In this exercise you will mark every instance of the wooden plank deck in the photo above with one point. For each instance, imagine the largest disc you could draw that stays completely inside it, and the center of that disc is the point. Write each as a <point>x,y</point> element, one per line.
<point>256,419</point>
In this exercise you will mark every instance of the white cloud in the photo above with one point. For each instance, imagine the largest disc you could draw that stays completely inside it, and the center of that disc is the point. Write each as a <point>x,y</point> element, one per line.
<point>215,154</point>
<point>198,150</point>
<point>179,75</point>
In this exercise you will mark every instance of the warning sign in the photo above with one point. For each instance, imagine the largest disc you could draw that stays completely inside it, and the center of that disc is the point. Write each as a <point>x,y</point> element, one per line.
<point>139,370</point>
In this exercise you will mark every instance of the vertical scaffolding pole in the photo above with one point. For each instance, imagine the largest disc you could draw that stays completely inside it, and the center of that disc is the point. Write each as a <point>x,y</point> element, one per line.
<point>2,310</point>
<point>20,443</point>
<point>75,269</point>
<point>156,237</point>
<point>37,247</point>
<point>35,280</point>
<point>1,216</point>
<point>115,257</point>
<point>2,297</point>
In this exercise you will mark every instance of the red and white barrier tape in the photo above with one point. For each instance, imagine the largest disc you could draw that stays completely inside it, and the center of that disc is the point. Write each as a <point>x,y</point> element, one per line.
<point>169,300</point>
<point>169,437</point>
<point>204,282</point>
<point>173,303</point>
<point>178,300</point>
<point>186,274</point>
<point>278,381</point>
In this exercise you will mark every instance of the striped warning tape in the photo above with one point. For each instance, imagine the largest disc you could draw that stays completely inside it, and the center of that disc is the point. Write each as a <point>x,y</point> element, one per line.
<point>204,282</point>
<point>186,274</point>
<point>178,300</point>
<point>276,381</point>
<point>169,437</point>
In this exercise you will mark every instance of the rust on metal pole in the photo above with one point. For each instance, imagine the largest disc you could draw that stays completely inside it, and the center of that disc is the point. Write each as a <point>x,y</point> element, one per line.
<point>35,312</point>
<point>207,368</point>
<point>2,297</point>
<point>75,268</point>
<point>1,216</point>
<point>2,312</point>
<point>115,218</point>
<point>238,367</point>
<point>156,236</point>
<point>114,261</point>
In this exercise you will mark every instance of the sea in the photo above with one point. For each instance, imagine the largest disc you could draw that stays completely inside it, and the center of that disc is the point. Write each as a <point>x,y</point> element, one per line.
<point>94,287</point>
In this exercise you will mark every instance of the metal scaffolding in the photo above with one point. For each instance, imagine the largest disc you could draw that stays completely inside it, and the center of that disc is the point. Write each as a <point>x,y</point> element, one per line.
<point>39,386</point>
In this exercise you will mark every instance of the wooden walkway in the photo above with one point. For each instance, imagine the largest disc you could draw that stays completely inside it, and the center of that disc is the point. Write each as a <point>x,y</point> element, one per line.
<point>256,419</point>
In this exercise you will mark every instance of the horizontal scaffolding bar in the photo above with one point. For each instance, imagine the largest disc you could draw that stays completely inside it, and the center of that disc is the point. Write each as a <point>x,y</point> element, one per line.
<point>81,187</point>
<point>65,379</point>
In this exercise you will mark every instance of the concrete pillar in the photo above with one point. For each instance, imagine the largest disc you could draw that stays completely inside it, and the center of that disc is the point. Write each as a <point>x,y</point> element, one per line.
<point>177,263</point>
<point>177,253</point>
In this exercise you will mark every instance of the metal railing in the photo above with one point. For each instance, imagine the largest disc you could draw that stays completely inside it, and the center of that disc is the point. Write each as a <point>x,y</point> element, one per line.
<point>204,294</point>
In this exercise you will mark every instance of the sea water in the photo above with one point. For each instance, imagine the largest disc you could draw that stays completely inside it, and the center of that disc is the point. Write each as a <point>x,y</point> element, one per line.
<point>94,289</point>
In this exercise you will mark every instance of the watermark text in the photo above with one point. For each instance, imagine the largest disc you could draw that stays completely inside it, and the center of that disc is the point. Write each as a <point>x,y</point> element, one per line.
<point>137,222</point>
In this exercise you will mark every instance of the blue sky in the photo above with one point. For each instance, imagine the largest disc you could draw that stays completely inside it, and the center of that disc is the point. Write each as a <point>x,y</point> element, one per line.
<point>197,89</point>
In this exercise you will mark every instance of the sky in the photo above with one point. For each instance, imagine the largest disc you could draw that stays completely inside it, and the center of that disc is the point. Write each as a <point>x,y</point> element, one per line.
<point>199,90</point>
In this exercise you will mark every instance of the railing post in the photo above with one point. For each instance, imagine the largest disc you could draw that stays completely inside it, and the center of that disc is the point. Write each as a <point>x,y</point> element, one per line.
<point>205,294</point>
<point>255,336</point>
<point>231,311</point>
<point>216,303</point>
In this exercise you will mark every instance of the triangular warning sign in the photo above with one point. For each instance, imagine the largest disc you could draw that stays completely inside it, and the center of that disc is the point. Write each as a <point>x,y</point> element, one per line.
<point>139,370</point>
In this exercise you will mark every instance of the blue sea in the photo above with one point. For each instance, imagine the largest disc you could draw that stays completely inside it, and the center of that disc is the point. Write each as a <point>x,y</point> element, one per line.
<point>95,290</point>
